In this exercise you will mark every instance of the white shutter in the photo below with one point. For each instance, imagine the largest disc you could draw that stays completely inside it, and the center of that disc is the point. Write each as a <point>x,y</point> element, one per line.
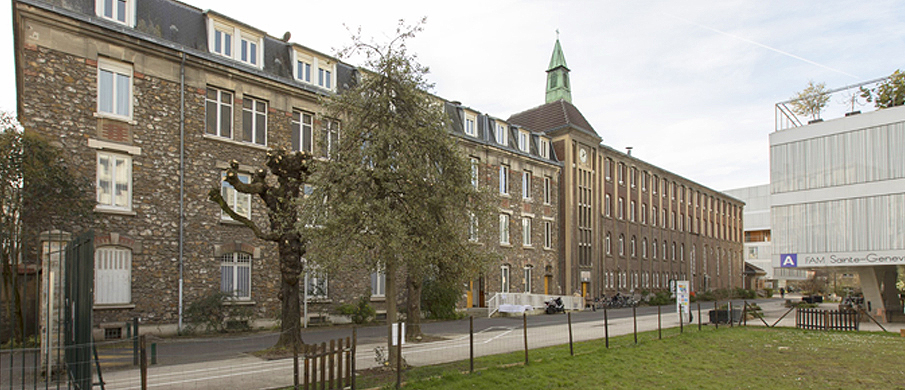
<point>113,275</point>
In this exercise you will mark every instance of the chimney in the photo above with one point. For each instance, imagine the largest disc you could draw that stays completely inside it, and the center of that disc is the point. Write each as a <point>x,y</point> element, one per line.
<point>628,150</point>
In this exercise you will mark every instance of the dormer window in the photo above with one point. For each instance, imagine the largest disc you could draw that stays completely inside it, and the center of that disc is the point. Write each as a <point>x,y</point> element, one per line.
<point>523,140</point>
<point>502,134</point>
<point>544,148</point>
<point>309,68</point>
<point>470,128</point>
<point>232,42</point>
<point>120,11</point>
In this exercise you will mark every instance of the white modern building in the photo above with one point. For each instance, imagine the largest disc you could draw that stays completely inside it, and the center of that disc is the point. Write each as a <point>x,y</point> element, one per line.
<point>838,200</point>
<point>758,240</point>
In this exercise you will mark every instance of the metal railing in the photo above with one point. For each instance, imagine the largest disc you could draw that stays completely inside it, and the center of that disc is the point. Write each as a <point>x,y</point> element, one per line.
<point>850,103</point>
<point>536,301</point>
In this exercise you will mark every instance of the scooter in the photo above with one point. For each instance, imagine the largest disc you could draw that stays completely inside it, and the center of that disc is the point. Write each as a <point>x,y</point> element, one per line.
<point>554,306</point>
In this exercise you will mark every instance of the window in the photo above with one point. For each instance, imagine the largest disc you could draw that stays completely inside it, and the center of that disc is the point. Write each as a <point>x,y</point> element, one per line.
<point>504,279</point>
<point>543,148</point>
<point>237,201</point>
<point>112,275</point>
<point>643,214</point>
<point>607,205</point>
<point>644,247</point>
<point>223,41</point>
<point>527,281</point>
<point>120,11</point>
<point>316,282</point>
<point>654,183</point>
<point>502,134</point>
<point>633,247</point>
<point>235,275</point>
<point>633,178</point>
<point>472,227</point>
<point>254,121</point>
<point>621,245</point>
<point>114,89</point>
<point>526,185</point>
<point>653,250</point>
<point>248,50</point>
<point>548,235</point>
<point>548,189</point>
<point>526,231</point>
<point>331,137</point>
<point>303,71</point>
<point>644,179</point>
<point>621,173</point>
<point>114,181</point>
<point>663,223</point>
<point>475,166</point>
<point>504,180</point>
<point>378,284</point>
<point>523,141</point>
<point>673,250</point>
<point>219,113</point>
<point>621,208</point>
<point>504,229</point>
<point>470,125</point>
<point>325,78</point>
<point>303,131</point>
<point>653,216</point>
<point>609,244</point>
<point>632,211</point>
<point>608,168</point>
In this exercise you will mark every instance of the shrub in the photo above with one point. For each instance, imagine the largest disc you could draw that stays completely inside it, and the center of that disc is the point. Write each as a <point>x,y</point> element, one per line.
<point>768,293</point>
<point>361,313</point>
<point>660,298</point>
<point>438,300</point>
<point>212,314</point>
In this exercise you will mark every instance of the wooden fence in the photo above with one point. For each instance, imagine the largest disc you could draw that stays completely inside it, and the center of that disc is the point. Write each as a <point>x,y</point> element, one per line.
<point>819,319</point>
<point>328,366</point>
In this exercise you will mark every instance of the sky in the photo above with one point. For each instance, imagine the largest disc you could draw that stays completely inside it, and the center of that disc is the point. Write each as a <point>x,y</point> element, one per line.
<point>689,85</point>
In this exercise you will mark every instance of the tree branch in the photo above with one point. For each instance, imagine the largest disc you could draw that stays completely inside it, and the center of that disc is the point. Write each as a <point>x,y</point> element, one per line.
<point>215,196</point>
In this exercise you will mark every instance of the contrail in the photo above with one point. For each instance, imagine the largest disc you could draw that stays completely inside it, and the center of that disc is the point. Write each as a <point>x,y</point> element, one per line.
<point>762,45</point>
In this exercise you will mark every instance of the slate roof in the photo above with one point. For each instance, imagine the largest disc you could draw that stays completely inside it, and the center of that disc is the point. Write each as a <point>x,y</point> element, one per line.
<point>553,116</point>
<point>486,135</point>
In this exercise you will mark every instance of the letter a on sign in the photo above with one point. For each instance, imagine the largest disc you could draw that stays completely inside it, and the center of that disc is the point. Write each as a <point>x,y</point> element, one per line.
<point>789,260</point>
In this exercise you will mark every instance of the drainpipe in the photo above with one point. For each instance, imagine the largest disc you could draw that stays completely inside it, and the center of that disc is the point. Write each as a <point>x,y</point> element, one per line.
<point>181,183</point>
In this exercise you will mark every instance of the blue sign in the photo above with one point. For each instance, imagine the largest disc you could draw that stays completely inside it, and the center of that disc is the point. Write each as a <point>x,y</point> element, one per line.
<point>788,260</point>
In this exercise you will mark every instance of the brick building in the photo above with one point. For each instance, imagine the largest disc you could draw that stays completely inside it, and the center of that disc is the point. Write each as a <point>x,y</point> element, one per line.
<point>153,98</point>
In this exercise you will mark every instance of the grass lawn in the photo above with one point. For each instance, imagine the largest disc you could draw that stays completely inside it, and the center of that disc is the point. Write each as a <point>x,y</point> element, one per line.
<point>727,358</point>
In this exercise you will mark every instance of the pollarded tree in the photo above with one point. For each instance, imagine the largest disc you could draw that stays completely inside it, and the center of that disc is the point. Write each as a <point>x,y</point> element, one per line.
<point>38,192</point>
<point>398,188</point>
<point>282,199</point>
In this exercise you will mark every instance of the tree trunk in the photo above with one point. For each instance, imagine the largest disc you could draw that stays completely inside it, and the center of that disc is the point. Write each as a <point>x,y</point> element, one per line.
<point>413,313</point>
<point>290,314</point>
<point>391,309</point>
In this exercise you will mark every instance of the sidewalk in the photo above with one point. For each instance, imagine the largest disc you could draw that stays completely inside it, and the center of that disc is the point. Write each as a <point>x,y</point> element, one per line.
<point>502,335</point>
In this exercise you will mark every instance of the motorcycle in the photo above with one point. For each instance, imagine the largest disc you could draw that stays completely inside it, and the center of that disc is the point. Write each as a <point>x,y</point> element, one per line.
<point>555,306</point>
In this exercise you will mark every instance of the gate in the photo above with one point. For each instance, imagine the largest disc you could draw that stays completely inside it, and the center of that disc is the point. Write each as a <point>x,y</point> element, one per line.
<point>328,366</point>
<point>78,300</point>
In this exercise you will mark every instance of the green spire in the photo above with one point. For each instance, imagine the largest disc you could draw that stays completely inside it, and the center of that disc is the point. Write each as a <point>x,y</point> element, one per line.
<point>558,87</point>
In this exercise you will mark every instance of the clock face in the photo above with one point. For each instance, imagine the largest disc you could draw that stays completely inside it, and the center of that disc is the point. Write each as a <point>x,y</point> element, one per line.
<point>583,155</point>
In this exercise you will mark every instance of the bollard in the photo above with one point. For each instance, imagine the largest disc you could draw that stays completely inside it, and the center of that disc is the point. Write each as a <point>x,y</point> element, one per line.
<point>143,363</point>
<point>606,328</point>
<point>398,356</point>
<point>699,316</point>
<point>135,341</point>
<point>525,327</point>
<point>635,323</point>
<point>681,320</point>
<point>471,344</point>
<point>716,324</point>
<point>295,366</point>
<point>659,326</point>
<point>571,347</point>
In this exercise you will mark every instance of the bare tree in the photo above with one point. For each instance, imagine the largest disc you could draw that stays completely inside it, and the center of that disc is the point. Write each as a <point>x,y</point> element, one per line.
<point>282,198</point>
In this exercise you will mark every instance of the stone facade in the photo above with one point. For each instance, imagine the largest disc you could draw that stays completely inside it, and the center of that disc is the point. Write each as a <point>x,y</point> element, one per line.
<point>59,58</point>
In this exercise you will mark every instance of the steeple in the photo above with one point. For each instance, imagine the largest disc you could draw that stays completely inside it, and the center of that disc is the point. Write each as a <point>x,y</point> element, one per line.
<point>558,87</point>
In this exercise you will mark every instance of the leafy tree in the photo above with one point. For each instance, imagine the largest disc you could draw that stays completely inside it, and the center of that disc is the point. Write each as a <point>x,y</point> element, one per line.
<point>811,100</point>
<point>888,93</point>
<point>37,192</point>
<point>398,187</point>
<point>282,198</point>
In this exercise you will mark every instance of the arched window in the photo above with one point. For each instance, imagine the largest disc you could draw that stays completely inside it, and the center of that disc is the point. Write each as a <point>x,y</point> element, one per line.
<point>634,253</point>
<point>621,245</point>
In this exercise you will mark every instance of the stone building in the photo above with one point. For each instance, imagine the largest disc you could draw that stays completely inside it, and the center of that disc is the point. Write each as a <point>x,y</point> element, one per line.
<point>153,98</point>
<point>627,225</point>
